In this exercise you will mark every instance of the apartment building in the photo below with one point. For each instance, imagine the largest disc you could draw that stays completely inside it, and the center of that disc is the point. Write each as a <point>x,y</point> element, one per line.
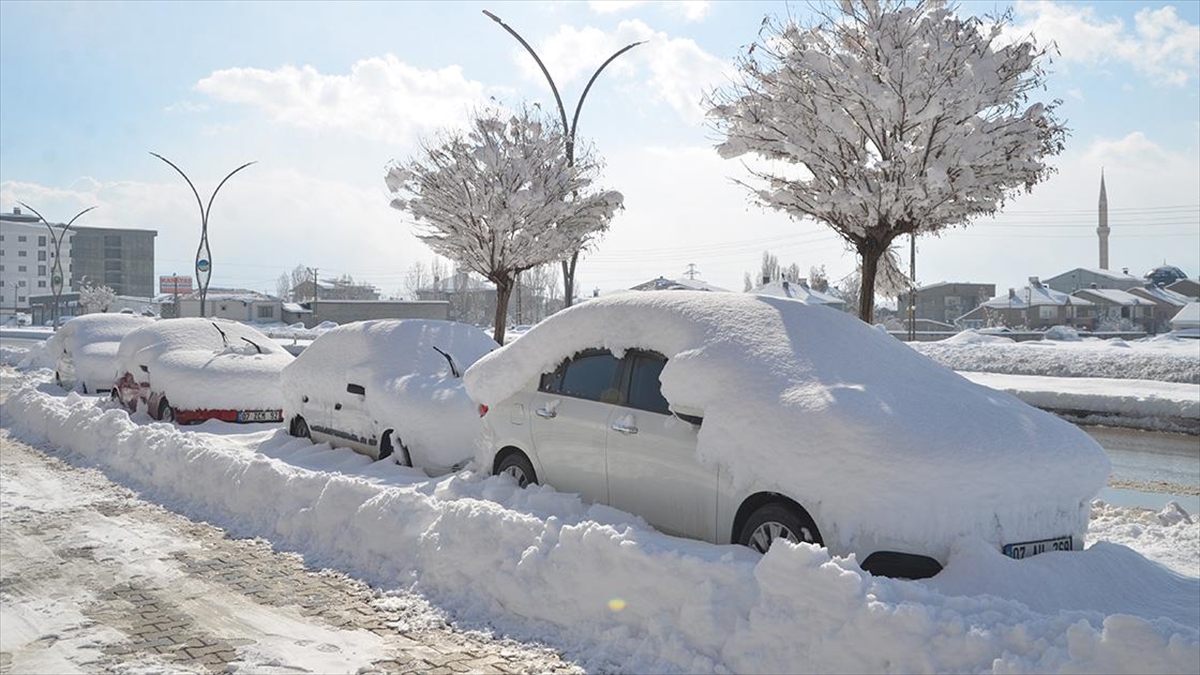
<point>27,260</point>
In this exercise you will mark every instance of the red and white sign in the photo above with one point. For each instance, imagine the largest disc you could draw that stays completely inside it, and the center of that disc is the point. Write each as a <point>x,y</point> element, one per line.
<point>175,285</point>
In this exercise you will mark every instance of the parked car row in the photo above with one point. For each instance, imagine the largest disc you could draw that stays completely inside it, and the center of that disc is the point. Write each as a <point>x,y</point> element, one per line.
<point>720,417</point>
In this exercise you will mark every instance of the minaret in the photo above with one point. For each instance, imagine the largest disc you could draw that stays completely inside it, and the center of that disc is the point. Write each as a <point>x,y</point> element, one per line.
<point>1102,230</point>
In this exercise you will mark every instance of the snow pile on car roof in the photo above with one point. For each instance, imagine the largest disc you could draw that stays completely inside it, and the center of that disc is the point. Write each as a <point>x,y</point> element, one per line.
<point>868,435</point>
<point>410,385</point>
<point>207,364</point>
<point>88,344</point>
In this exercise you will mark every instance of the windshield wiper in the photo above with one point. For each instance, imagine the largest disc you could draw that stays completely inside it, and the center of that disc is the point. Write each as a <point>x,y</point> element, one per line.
<point>223,338</point>
<point>453,368</point>
<point>254,344</point>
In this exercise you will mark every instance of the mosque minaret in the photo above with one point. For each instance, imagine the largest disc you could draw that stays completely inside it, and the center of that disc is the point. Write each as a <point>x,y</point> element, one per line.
<point>1102,230</point>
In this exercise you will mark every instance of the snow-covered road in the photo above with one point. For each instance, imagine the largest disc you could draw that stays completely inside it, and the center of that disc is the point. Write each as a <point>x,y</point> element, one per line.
<point>615,596</point>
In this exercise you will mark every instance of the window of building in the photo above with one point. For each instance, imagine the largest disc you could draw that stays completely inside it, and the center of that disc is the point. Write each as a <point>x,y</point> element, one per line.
<point>1,282</point>
<point>41,283</point>
<point>20,268</point>
<point>20,298</point>
<point>266,311</point>
<point>41,255</point>
<point>41,270</point>
<point>22,253</point>
<point>112,265</point>
<point>42,240</point>
<point>21,282</point>
<point>1048,312</point>
<point>20,237</point>
<point>112,240</point>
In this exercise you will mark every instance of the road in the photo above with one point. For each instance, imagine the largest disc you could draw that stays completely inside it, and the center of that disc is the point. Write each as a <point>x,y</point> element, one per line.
<point>95,579</point>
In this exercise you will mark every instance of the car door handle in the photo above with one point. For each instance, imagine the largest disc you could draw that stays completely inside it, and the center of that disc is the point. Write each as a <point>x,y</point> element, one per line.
<point>627,429</point>
<point>546,413</point>
<point>337,406</point>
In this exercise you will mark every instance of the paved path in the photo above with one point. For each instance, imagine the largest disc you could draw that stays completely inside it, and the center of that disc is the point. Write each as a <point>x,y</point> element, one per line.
<point>94,579</point>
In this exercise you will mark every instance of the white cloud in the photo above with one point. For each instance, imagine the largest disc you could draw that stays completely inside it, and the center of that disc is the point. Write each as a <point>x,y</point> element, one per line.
<point>382,98</point>
<point>692,10</point>
<point>614,6</point>
<point>1160,44</point>
<point>185,106</point>
<point>674,70</point>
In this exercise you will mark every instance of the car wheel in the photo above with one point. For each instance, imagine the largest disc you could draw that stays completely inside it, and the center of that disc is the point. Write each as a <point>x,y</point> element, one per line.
<point>165,412</point>
<point>517,465</point>
<point>83,385</point>
<point>300,428</point>
<point>57,378</point>
<point>778,521</point>
<point>387,448</point>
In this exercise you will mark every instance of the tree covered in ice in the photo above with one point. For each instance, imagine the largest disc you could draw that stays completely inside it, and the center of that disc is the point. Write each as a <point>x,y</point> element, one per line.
<point>886,118</point>
<point>97,298</point>
<point>502,198</point>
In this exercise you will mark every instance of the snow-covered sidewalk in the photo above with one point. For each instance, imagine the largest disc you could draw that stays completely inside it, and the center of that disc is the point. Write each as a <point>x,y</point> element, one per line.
<point>615,595</point>
<point>1144,404</point>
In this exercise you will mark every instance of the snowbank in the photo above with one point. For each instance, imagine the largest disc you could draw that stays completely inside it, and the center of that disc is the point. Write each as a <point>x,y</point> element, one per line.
<point>816,405</point>
<point>1166,358</point>
<point>1133,398</point>
<point>197,368</point>
<point>618,597</point>
<point>409,385</point>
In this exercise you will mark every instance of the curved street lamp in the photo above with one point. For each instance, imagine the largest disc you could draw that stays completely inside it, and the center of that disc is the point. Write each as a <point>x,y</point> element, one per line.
<point>56,271</point>
<point>203,253</point>
<point>567,266</point>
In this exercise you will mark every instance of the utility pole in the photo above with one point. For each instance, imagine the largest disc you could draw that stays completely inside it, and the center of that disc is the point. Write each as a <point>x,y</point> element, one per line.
<point>315,291</point>
<point>568,266</point>
<point>912,291</point>
<point>691,271</point>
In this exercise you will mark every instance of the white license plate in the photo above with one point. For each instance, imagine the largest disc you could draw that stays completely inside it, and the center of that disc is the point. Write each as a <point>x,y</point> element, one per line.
<point>1032,548</point>
<point>258,416</point>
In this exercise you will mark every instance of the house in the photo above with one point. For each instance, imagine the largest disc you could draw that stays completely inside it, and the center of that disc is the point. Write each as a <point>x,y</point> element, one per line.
<point>1092,277</point>
<point>1187,287</point>
<point>347,311</point>
<point>1167,304</point>
<point>333,289</point>
<point>235,304</point>
<point>664,284</point>
<point>800,290</point>
<point>471,300</point>
<point>945,301</point>
<point>1035,306</point>
<point>1118,310</point>
<point>1188,318</point>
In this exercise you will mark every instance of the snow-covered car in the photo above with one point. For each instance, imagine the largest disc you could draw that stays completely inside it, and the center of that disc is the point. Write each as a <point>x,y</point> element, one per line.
<point>190,370</point>
<point>745,419</point>
<point>389,387</point>
<point>85,350</point>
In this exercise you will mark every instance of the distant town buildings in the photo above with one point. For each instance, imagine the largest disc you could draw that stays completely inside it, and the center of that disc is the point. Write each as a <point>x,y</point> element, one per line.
<point>945,302</point>
<point>120,258</point>
<point>26,261</point>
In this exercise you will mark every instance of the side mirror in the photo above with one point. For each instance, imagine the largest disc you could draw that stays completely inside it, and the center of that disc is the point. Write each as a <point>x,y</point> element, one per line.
<point>356,389</point>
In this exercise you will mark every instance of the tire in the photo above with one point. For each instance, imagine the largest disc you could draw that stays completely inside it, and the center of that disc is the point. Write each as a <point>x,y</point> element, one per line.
<point>165,412</point>
<point>777,520</point>
<point>83,385</point>
<point>517,465</point>
<point>387,448</point>
<point>299,428</point>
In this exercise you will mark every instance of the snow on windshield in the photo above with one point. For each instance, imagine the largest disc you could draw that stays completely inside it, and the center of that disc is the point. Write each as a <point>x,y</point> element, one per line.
<point>811,402</point>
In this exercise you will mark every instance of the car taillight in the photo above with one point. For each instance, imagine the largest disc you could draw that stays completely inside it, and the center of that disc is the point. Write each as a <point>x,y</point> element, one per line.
<point>482,409</point>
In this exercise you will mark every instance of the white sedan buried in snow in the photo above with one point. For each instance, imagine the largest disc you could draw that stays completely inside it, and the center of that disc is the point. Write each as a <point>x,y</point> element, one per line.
<point>389,388</point>
<point>744,419</point>
<point>192,370</point>
<point>85,349</point>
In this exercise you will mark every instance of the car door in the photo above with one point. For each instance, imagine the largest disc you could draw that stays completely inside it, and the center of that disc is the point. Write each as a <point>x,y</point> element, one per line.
<point>569,423</point>
<point>653,471</point>
<point>351,422</point>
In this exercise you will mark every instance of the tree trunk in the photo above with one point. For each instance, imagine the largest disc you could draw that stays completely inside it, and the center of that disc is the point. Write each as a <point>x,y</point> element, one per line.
<point>866,292</point>
<point>503,291</point>
<point>568,267</point>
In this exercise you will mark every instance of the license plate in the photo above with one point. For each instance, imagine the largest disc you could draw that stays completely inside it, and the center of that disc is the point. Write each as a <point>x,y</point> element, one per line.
<point>1032,548</point>
<point>258,416</point>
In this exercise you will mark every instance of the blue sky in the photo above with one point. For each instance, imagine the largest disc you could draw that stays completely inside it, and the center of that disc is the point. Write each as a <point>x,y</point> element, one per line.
<point>323,95</point>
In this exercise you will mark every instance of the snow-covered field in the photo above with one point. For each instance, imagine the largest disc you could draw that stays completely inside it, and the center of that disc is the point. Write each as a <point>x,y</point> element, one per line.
<point>617,596</point>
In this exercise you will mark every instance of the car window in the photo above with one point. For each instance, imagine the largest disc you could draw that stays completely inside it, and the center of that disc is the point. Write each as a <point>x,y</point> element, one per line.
<point>589,375</point>
<point>645,390</point>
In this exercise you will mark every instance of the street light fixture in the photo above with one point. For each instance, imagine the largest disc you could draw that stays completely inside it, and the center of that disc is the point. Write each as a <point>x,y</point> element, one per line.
<point>567,266</point>
<point>203,253</point>
<point>56,271</point>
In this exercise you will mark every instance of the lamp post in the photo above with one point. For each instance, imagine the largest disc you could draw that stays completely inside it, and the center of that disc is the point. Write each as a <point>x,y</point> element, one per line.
<point>568,267</point>
<point>203,253</point>
<point>56,271</point>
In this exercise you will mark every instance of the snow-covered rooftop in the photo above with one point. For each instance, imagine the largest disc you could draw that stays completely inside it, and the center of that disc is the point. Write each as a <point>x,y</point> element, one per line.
<point>665,284</point>
<point>1114,296</point>
<point>798,291</point>
<point>1162,295</point>
<point>1188,317</point>
<point>1036,296</point>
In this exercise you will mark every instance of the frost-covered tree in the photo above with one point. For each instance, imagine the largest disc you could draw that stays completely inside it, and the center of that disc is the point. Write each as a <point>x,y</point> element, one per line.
<point>887,118</point>
<point>502,198</point>
<point>96,298</point>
